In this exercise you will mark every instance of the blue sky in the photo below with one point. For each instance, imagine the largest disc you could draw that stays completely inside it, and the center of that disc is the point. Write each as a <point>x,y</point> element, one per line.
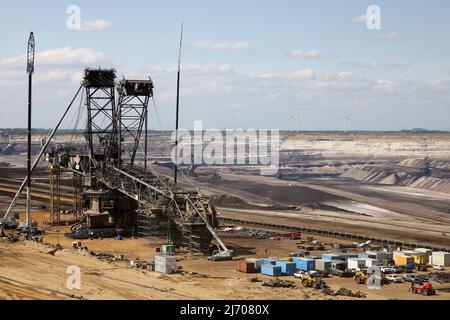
<point>266,59</point>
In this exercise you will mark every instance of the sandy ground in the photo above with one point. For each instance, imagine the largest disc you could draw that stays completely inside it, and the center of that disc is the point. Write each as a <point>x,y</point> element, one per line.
<point>29,272</point>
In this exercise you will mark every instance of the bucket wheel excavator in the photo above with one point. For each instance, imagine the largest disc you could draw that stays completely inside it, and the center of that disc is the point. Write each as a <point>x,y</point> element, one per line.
<point>116,192</point>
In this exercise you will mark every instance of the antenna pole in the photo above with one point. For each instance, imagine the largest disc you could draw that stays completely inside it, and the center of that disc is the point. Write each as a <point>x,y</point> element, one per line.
<point>30,71</point>
<point>178,107</point>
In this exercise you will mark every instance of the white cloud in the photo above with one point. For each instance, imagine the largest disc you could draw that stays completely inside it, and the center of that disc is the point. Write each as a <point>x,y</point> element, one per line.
<point>440,85</point>
<point>194,69</point>
<point>380,64</point>
<point>53,75</point>
<point>69,56</point>
<point>59,56</point>
<point>222,45</point>
<point>302,74</point>
<point>386,86</point>
<point>95,25</point>
<point>308,54</point>
<point>387,35</point>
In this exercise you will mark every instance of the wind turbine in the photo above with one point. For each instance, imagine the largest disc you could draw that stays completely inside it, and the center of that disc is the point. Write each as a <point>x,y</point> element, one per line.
<point>405,118</point>
<point>292,120</point>
<point>249,121</point>
<point>379,119</point>
<point>345,118</point>
<point>231,117</point>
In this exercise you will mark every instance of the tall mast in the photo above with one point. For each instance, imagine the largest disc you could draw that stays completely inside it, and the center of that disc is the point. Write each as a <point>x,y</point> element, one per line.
<point>30,71</point>
<point>178,106</point>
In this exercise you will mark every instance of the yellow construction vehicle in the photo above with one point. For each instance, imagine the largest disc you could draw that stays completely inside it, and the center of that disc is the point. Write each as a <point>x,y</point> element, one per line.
<point>361,277</point>
<point>312,282</point>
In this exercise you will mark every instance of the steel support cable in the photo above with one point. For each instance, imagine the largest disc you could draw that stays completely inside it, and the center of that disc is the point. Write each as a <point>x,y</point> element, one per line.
<point>77,119</point>
<point>38,158</point>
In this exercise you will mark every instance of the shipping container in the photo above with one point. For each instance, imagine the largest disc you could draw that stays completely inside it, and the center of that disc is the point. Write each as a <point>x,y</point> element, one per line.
<point>269,261</point>
<point>246,267</point>
<point>373,263</point>
<point>257,263</point>
<point>287,268</point>
<point>356,263</point>
<point>323,265</point>
<point>420,258</point>
<point>403,260</point>
<point>271,270</point>
<point>305,264</point>
<point>441,257</point>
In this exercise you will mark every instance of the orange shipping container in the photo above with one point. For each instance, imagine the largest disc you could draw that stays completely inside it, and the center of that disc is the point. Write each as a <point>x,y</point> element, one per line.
<point>246,267</point>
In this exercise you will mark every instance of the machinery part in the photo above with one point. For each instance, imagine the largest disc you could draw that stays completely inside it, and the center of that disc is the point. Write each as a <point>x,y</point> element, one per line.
<point>223,253</point>
<point>55,194</point>
<point>101,130</point>
<point>132,106</point>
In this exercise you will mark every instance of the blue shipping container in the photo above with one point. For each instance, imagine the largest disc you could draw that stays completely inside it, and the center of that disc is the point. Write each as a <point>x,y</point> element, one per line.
<point>287,268</point>
<point>330,256</point>
<point>305,264</point>
<point>271,270</point>
<point>269,261</point>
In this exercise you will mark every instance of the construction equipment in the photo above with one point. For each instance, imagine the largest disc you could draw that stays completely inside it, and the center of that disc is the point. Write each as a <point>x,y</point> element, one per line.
<point>361,278</point>
<point>423,288</point>
<point>313,282</point>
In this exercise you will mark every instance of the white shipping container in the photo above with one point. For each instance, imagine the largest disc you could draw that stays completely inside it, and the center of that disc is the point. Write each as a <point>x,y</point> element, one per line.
<point>441,258</point>
<point>356,263</point>
<point>373,262</point>
<point>165,264</point>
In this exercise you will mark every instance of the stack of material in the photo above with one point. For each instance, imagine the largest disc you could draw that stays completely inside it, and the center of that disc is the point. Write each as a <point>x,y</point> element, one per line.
<point>165,263</point>
<point>271,270</point>
<point>287,268</point>
<point>246,267</point>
